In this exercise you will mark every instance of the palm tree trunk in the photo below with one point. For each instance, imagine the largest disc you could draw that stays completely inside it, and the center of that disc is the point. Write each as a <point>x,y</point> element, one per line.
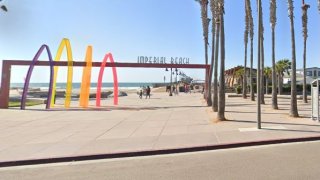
<point>267,85</point>
<point>305,8</point>
<point>261,55</point>
<point>244,87</point>
<point>209,97</point>
<point>208,93</point>
<point>293,107</point>
<point>305,100</point>
<point>274,80</point>
<point>251,71</point>
<point>205,95</point>
<point>205,28</point>
<point>215,80</point>
<point>262,69</point>
<point>222,101</point>
<point>241,81</point>
<point>280,82</point>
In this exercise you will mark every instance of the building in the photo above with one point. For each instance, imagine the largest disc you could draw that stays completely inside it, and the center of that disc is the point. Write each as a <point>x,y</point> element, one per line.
<point>232,80</point>
<point>312,74</point>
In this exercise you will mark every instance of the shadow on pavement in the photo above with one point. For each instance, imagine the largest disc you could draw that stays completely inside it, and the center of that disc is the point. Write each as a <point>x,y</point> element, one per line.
<point>111,108</point>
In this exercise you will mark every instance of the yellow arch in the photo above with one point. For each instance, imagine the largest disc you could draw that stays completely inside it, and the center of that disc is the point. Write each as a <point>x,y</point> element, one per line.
<point>86,79</point>
<point>65,43</point>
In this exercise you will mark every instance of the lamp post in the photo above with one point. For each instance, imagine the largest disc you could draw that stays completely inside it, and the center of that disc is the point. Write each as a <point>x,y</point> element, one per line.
<point>170,94</point>
<point>177,81</point>
<point>258,68</point>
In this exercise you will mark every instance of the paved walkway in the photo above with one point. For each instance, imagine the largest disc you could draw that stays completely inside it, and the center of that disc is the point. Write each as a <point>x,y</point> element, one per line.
<point>161,122</point>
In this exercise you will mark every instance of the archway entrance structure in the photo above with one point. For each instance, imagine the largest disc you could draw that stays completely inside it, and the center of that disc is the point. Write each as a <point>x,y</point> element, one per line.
<point>8,64</point>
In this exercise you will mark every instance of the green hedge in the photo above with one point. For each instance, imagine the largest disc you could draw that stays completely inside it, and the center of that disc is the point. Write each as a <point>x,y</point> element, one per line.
<point>285,89</point>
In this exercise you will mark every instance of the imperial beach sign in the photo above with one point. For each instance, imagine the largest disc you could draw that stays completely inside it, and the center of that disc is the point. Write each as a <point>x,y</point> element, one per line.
<point>163,60</point>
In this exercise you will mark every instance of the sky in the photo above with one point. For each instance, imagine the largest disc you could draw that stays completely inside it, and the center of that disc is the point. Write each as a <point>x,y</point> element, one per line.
<point>128,29</point>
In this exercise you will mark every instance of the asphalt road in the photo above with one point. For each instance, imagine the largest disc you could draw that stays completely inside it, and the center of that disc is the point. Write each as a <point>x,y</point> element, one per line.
<point>284,161</point>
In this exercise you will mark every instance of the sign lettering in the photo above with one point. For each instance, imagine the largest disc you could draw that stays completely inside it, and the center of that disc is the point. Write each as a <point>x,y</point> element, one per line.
<point>162,60</point>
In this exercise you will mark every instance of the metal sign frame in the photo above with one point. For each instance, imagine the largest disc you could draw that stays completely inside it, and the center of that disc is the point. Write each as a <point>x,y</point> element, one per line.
<point>315,100</point>
<point>7,64</point>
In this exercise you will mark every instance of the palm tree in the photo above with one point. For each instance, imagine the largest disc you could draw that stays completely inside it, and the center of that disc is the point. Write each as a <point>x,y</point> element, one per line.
<point>209,75</point>
<point>267,75</point>
<point>261,55</point>
<point>222,100</point>
<point>305,8</point>
<point>293,107</point>
<point>205,29</point>
<point>239,75</point>
<point>3,7</point>
<point>273,21</point>
<point>251,31</point>
<point>282,66</point>
<point>217,39</point>
<point>246,34</point>
<point>213,30</point>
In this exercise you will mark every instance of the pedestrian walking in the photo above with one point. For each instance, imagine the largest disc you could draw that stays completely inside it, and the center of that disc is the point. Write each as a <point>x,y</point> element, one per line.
<point>140,93</point>
<point>148,92</point>
<point>176,91</point>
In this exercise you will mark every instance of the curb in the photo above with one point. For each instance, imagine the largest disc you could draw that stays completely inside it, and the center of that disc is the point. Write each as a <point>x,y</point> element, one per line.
<point>156,152</point>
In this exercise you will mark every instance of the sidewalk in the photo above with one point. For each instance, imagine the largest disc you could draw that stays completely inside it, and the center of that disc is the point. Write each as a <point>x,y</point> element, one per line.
<point>161,122</point>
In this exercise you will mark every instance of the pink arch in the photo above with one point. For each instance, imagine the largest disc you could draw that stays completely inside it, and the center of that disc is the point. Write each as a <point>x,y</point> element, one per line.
<point>115,81</point>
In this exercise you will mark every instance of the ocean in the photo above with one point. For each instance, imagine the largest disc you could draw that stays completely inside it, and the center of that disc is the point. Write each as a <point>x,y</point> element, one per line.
<point>122,85</point>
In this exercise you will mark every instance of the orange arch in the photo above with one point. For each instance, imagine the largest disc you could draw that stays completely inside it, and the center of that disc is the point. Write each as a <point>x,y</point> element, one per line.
<point>86,79</point>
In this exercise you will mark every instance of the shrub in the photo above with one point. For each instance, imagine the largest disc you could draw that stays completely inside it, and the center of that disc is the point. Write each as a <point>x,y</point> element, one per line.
<point>238,89</point>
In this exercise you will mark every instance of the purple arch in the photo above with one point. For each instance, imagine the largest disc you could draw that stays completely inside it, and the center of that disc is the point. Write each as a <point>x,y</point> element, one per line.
<point>27,80</point>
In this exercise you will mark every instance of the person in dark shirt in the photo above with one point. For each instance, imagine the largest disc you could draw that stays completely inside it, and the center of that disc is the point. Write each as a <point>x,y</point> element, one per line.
<point>148,92</point>
<point>140,94</point>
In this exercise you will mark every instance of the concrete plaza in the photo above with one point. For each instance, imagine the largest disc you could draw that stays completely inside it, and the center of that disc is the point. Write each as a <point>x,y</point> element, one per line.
<point>161,122</point>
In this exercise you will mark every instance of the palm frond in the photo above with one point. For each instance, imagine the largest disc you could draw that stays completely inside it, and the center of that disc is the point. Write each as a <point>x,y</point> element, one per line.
<point>283,65</point>
<point>247,23</point>
<point>251,25</point>
<point>305,8</point>
<point>4,8</point>
<point>213,10</point>
<point>273,13</point>
<point>267,72</point>
<point>290,8</point>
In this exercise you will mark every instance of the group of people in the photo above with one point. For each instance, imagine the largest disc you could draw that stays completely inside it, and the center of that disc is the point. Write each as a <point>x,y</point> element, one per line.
<point>147,92</point>
<point>174,89</point>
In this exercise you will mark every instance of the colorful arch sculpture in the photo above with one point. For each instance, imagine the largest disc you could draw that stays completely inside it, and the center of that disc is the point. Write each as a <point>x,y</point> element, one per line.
<point>86,79</point>
<point>29,73</point>
<point>65,43</point>
<point>115,81</point>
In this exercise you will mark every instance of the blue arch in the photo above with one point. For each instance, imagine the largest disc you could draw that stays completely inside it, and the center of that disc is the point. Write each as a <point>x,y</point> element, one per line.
<point>27,80</point>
